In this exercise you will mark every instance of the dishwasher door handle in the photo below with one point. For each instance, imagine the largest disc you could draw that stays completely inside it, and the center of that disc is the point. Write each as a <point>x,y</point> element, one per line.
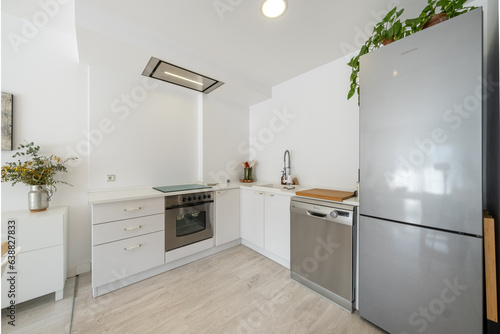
<point>316,214</point>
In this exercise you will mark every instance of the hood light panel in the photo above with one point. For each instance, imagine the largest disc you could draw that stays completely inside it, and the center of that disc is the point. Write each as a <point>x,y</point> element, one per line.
<point>161,70</point>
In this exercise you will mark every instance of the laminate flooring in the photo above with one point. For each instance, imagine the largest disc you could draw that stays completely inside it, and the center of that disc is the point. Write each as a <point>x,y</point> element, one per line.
<point>234,291</point>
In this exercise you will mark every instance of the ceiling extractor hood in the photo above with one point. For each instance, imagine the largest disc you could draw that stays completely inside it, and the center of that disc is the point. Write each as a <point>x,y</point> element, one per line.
<point>161,70</point>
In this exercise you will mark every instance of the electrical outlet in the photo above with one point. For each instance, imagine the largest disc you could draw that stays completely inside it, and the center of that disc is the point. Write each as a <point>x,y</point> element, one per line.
<point>110,178</point>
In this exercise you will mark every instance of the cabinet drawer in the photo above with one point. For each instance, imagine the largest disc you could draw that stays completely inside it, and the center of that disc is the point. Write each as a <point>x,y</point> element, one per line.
<point>117,260</point>
<point>38,233</point>
<point>38,273</point>
<point>128,228</point>
<point>107,212</point>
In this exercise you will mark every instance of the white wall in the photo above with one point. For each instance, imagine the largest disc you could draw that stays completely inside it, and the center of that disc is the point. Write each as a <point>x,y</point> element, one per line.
<point>50,108</point>
<point>225,128</point>
<point>309,116</point>
<point>145,132</point>
<point>142,130</point>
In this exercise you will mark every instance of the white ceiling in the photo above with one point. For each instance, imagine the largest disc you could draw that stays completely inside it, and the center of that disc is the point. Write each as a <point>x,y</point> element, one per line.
<point>228,40</point>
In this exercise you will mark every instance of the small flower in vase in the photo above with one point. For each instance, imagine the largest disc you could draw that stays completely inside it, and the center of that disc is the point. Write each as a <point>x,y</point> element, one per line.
<point>248,171</point>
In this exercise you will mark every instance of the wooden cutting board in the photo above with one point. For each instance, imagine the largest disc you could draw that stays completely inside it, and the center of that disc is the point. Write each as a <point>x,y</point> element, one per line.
<point>331,195</point>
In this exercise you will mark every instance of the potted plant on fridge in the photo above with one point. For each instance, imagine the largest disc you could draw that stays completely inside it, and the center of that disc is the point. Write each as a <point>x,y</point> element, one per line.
<point>391,29</point>
<point>388,30</point>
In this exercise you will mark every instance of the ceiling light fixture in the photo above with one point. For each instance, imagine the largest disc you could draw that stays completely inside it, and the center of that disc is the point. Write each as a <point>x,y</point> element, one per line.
<point>158,69</point>
<point>273,8</point>
<point>180,77</point>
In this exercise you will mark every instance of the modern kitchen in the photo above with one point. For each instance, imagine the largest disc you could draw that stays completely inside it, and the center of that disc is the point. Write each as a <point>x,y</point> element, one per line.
<point>228,170</point>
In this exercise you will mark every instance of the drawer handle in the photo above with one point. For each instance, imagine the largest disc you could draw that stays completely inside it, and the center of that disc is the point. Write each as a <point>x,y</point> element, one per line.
<point>222,192</point>
<point>270,195</point>
<point>132,228</point>
<point>132,209</point>
<point>132,247</point>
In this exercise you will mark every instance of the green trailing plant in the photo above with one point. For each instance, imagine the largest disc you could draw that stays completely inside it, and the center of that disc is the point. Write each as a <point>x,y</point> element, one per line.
<point>451,8</point>
<point>389,29</point>
<point>392,29</point>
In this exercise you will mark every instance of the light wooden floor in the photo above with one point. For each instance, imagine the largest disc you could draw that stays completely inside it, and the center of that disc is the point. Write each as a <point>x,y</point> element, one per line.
<point>43,315</point>
<point>235,291</point>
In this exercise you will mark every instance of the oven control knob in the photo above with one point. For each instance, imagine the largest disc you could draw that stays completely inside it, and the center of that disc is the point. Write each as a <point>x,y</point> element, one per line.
<point>189,199</point>
<point>334,214</point>
<point>199,197</point>
<point>204,196</point>
<point>184,199</point>
<point>209,196</point>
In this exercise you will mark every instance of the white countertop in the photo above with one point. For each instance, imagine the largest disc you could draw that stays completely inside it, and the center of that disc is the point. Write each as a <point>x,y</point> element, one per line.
<point>116,195</point>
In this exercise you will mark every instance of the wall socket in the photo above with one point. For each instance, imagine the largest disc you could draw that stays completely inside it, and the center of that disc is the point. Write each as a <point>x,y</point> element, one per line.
<point>110,178</point>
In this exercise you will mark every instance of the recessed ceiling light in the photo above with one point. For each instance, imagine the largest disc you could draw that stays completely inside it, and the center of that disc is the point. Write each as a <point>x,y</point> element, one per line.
<point>158,69</point>
<point>273,8</point>
<point>181,77</point>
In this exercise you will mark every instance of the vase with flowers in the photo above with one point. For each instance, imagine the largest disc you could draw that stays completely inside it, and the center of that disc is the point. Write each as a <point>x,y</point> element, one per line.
<point>247,171</point>
<point>38,172</point>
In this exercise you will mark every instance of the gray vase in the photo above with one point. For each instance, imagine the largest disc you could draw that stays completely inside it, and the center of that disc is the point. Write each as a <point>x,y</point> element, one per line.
<point>38,198</point>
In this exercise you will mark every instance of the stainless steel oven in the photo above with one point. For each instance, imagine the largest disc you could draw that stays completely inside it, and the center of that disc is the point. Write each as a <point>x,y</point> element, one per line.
<point>188,219</point>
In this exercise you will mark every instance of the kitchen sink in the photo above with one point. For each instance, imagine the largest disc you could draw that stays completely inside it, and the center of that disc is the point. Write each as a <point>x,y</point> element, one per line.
<point>275,186</point>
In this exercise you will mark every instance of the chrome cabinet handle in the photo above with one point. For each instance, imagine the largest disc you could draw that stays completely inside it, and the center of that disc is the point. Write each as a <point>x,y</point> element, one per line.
<point>270,195</point>
<point>259,193</point>
<point>222,192</point>
<point>132,209</point>
<point>132,247</point>
<point>132,228</point>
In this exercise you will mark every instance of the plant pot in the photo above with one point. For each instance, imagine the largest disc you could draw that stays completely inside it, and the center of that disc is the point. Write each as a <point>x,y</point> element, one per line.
<point>438,18</point>
<point>38,198</point>
<point>387,41</point>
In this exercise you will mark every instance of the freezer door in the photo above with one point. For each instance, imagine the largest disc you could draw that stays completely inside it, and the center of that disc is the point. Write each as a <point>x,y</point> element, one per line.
<point>420,127</point>
<point>419,280</point>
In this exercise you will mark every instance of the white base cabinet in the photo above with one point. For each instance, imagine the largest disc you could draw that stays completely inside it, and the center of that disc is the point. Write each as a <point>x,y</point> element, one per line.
<point>277,225</point>
<point>265,223</point>
<point>41,266</point>
<point>227,216</point>
<point>252,216</point>
<point>128,237</point>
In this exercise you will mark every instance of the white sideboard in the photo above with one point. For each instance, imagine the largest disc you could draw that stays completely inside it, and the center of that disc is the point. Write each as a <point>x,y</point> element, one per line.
<point>41,266</point>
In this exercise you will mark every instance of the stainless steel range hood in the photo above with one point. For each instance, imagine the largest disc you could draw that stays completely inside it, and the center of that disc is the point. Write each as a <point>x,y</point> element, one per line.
<point>161,70</point>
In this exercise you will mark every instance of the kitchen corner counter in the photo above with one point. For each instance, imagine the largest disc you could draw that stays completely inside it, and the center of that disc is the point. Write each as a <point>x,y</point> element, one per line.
<point>126,194</point>
<point>351,201</point>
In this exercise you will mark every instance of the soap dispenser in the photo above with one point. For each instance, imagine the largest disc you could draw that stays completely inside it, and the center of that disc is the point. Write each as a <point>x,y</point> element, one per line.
<point>283,181</point>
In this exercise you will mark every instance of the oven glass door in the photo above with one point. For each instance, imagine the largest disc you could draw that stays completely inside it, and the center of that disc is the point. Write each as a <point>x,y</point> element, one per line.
<point>188,224</point>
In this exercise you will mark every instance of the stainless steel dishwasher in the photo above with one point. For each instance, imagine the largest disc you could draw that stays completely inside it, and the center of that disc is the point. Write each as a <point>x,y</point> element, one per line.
<point>322,248</point>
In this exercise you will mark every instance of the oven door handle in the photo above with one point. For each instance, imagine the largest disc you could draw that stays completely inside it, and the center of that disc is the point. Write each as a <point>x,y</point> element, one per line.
<point>187,205</point>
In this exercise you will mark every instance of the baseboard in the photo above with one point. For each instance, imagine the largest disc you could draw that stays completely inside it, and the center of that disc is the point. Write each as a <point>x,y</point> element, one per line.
<point>79,269</point>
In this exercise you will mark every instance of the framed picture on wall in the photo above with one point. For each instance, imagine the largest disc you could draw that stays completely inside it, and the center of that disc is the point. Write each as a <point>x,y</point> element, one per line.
<point>7,104</point>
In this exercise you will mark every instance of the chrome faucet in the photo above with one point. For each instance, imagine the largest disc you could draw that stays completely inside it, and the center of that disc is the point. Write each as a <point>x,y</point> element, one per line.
<point>286,165</point>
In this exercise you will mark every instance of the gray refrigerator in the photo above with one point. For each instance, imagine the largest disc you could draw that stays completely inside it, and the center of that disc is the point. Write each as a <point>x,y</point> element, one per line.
<point>420,229</point>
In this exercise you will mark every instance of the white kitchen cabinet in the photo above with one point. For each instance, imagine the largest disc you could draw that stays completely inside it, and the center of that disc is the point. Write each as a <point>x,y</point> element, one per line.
<point>227,216</point>
<point>41,266</point>
<point>277,225</point>
<point>265,223</point>
<point>252,216</point>
<point>128,237</point>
